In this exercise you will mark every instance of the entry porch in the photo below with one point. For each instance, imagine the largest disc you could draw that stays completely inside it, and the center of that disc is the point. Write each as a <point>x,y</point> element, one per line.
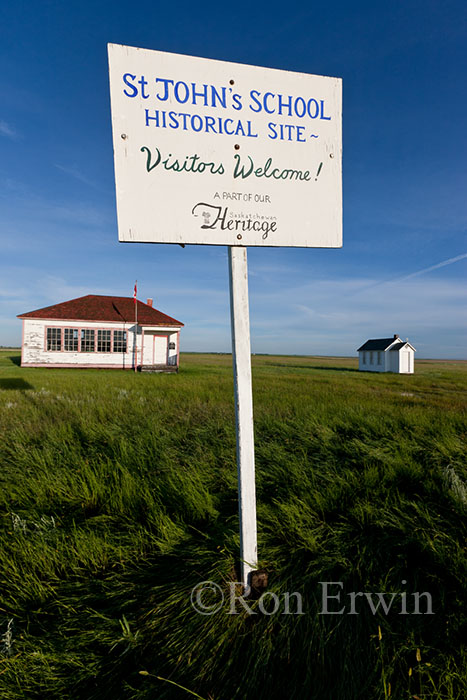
<point>159,350</point>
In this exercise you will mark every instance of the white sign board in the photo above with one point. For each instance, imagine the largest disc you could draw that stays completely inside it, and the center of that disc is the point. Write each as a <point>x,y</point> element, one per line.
<point>221,153</point>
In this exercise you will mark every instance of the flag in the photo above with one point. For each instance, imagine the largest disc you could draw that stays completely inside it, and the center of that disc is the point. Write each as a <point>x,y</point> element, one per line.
<point>135,292</point>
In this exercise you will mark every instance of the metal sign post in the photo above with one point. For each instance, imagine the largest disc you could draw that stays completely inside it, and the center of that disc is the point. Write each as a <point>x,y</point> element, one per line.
<point>241,354</point>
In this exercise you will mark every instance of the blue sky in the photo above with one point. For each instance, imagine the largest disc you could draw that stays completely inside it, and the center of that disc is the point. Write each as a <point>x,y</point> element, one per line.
<point>403,265</point>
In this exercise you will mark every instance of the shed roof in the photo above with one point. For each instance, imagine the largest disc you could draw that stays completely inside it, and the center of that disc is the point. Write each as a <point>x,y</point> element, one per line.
<point>397,346</point>
<point>390,344</point>
<point>94,307</point>
<point>378,344</point>
<point>402,344</point>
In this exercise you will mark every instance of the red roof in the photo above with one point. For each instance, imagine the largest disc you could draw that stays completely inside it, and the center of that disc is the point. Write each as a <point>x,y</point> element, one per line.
<point>93,307</point>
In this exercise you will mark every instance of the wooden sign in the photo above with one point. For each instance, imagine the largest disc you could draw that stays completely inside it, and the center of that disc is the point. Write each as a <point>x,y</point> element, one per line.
<point>210,152</point>
<point>217,153</point>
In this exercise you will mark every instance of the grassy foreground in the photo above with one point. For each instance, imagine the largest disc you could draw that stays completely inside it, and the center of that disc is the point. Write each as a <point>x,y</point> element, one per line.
<point>119,495</point>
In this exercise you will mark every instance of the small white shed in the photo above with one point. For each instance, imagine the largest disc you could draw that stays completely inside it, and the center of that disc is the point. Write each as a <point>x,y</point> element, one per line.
<point>386,355</point>
<point>101,332</point>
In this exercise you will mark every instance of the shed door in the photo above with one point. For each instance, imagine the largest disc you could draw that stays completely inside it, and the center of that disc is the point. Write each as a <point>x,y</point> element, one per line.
<point>405,366</point>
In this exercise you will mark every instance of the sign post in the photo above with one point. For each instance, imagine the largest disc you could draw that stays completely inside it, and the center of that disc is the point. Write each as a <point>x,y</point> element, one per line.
<point>241,355</point>
<point>215,153</point>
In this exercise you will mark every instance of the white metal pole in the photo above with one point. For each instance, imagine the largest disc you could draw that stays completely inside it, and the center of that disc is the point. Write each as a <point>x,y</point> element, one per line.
<point>136,332</point>
<point>241,353</point>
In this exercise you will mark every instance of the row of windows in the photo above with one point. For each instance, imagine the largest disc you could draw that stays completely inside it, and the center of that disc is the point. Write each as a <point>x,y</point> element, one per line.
<point>372,355</point>
<point>86,340</point>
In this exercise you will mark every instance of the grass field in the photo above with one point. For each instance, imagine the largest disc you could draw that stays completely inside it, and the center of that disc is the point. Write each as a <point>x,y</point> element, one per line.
<point>119,495</point>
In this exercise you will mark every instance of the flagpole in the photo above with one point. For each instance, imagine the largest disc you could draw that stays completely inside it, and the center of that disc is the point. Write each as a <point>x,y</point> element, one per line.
<point>136,325</point>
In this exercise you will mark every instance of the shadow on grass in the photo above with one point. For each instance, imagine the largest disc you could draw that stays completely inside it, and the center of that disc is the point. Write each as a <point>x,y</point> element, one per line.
<point>290,366</point>
<point>15,359</point>
<point>336,369</point>
<point>15,383</point>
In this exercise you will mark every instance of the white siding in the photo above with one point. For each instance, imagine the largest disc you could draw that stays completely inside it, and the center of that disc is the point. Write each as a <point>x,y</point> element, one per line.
<point>34,347</point>
<point>378,366</point>
<point>393,361</point>
<point>371,361</point>
<point>364,361</point>
<point>173,352</point>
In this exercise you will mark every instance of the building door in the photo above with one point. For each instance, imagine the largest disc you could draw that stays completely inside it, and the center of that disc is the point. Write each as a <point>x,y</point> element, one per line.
<point>160,349</point>
<point>148,349</point>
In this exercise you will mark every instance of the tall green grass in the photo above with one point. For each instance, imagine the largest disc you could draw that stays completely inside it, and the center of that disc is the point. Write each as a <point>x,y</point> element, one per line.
<point>119,494</point>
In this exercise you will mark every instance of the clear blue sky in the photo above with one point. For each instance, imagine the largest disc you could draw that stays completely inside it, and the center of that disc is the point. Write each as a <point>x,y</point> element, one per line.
<point>403,265</point>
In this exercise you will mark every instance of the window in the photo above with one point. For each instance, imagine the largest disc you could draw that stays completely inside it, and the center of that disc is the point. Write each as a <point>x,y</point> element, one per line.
<point>379,358</point>
<point>119,341</point>
<point>364,357</point>
<point>70,339</point>
<point>103,341</point>
<point>371,358</point>
<point>87,340</point>
<point>54,338</point>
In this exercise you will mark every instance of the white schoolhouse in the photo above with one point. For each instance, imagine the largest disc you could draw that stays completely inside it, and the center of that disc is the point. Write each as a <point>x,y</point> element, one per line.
<point>101,332</point>
<point>386,355</point>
